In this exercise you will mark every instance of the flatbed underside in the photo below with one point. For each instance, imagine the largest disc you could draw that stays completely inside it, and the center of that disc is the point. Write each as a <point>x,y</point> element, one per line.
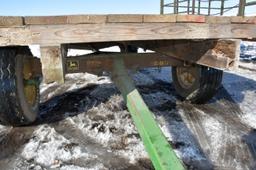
<point>206,40</point>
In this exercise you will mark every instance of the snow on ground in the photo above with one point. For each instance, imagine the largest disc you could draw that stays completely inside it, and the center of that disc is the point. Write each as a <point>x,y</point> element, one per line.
<point>241,85</point>
<point>248,51</point>
<point>84,124</point>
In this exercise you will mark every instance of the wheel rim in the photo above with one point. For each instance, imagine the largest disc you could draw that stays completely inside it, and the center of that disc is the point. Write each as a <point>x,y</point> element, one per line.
<point>30,84</point>
<point>186,76</point>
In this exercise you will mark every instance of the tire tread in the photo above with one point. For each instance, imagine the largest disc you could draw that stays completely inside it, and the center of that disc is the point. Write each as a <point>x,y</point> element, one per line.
<point>209,82</point>
<point>11,112</point>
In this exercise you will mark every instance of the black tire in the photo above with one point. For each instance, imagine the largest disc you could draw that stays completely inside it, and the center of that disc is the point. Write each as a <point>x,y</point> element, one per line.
<point>199,89</point>
<point>14,108</point>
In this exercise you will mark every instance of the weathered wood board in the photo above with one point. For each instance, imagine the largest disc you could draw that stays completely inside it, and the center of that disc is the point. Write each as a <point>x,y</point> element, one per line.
<point>121,18</point>
<point>56,30</point>
<point>52,64</point>
<point>11,21</point>
<point>88,33</point>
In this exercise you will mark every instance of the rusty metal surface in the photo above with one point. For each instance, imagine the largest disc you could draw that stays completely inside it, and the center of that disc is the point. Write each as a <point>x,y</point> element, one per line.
<point>97,63</point>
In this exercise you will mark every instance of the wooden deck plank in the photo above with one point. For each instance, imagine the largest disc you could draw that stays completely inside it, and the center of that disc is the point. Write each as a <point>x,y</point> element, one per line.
<point>125,18</point>
<point>159,18</point>
<point>15,36</point>
<point>117,32</point>
<point>45,20</point>
<point>243,20</point>
<point>85,19</point>
<point>218,20</point>
<point>191,18</point>
<point>10,21</point>
<point>136,31</point>
<point>130,18</point>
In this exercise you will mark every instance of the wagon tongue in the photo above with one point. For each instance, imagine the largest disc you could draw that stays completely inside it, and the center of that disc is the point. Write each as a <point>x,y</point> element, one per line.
<point>158,148</point>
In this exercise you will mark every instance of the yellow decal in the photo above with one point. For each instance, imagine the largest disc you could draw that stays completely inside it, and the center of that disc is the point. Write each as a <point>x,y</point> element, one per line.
<point>72,65</point>
<point>160,63</point>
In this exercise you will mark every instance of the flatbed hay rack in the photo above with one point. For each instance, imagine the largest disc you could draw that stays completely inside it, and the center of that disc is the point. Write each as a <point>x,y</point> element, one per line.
<point>198,47</point>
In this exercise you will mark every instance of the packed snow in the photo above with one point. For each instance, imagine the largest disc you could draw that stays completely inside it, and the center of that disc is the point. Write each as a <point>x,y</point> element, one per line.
<point>248,51</point>
<point>84,124</point>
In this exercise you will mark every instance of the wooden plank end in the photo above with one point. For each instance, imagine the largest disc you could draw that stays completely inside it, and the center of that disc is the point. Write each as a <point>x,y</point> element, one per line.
<point>160,18</point>
<point>218,20</point>
<point>47,20</point>
<point>243,20</point>
<point>129,18</point>
<point>86,19</point>
<point>191,18</point>
<point>11,21</point>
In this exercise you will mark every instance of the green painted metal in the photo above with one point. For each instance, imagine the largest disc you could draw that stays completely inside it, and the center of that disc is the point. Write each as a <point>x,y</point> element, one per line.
<point>30,82</point>
<point>250,2</point>
<point>161,6</point>
<point>160,152</point>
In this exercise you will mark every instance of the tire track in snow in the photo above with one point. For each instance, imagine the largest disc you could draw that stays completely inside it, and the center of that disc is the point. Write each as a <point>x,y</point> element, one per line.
<point>110,160</point>
<point>234,153</point>
<point>239,144</point>
<point>12,140</point>
<point>192,117</point>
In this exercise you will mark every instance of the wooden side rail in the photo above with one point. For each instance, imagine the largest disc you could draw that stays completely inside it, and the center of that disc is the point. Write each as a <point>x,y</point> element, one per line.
<point>123,18</point>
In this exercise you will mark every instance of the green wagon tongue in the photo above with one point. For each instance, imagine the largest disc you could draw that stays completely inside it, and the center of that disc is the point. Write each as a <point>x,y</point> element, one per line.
<point>160,152</point>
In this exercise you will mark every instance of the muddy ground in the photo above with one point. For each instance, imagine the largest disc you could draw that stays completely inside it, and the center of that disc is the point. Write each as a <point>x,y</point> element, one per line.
<point>84,124</point>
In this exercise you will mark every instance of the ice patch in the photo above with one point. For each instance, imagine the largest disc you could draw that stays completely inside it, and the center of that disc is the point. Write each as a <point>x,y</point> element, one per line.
<point>49,149</point>
<point>248,51</point>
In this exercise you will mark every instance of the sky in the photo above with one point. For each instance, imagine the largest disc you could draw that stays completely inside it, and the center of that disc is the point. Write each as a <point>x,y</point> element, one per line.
<point>67,7</point>
<point>62,7</point>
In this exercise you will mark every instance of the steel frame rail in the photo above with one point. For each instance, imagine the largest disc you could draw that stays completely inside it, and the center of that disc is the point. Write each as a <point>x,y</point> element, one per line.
<point>192,5</point>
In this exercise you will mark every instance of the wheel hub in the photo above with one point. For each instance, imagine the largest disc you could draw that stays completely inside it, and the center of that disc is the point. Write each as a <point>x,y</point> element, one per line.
<point>186,76</point>
<point>30,84</point>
